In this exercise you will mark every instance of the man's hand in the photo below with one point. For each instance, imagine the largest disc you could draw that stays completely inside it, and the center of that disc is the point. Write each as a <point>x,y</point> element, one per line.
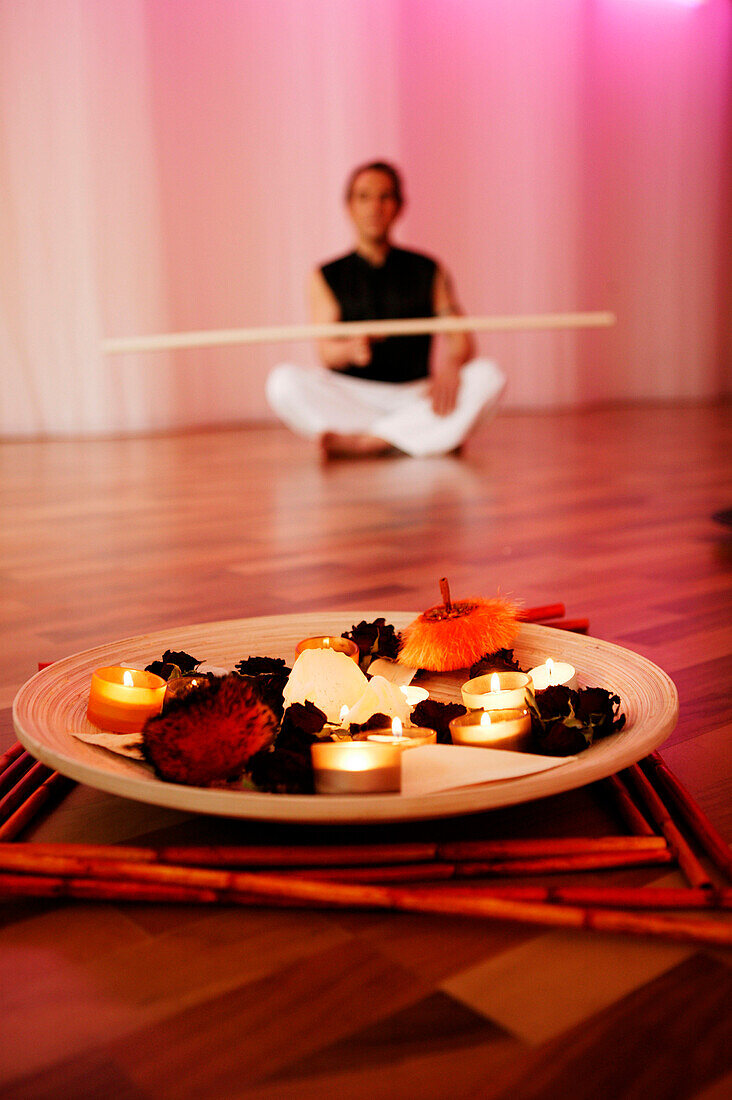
<point>357,350</point>
<point>339,351</point>
<point>444,383</point>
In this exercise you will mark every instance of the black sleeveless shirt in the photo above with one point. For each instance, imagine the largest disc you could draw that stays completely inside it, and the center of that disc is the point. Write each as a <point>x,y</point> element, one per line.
<point>402,287</point>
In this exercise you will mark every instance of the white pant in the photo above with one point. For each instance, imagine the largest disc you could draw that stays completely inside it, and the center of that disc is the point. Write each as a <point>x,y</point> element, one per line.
<point>312,400</point>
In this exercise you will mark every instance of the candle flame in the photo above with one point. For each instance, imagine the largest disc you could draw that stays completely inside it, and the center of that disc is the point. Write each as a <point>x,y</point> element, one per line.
<point>549,669</point>
<point>128,679</point>
<point>344,712</point>
<point>485,718</point>
<point>326,643</point>
<point>495,682</point>
<point>396,727</point>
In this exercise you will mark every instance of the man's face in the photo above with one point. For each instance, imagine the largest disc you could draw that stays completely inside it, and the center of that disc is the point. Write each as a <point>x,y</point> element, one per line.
<point>373,206</point>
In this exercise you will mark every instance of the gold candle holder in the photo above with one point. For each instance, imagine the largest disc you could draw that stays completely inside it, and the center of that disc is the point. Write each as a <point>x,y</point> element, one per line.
<point>330,641</point>
<point>356,767</point>
<point>496,691</point>
<point>122,699</point>
<point>413,738</point>
<point>496,729</point>
<point>553,673</point>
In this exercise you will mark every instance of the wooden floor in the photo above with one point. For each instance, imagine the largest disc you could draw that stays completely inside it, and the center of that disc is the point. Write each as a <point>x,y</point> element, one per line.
<point>609,511</point>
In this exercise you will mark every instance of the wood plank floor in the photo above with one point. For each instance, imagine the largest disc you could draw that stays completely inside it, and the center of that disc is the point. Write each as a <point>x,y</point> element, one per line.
<point>609,511</point>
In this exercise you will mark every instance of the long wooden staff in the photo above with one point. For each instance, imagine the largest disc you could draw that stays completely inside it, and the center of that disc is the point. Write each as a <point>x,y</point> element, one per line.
<point>412,327</point>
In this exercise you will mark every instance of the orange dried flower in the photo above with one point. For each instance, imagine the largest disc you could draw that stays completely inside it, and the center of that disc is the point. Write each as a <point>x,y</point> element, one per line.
<point>451,635</point>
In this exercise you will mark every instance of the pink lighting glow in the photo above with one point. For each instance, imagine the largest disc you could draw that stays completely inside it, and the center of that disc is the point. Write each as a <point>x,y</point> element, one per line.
<point>668,3</point>
<point>178,164</point>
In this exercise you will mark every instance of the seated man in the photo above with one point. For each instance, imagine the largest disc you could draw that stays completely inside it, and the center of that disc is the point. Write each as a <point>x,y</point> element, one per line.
<point>377,395</point>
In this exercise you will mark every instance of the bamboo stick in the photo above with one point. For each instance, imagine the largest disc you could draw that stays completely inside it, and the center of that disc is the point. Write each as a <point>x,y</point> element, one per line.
<point>296,855</point>
<point>532,848</point>
<point>539,614</point>
<point>15,770</point>
<point>407,327</point>
<point>628,897</point>
<point>599,861</point>
<point>245,888</point>
<point>234,856</point>
<point>24,814</point>
<point>577,626</point>
<point>718,933</point>
<point>697,821</point>
<point>612,897</point>
<point>32,859</point>
<point>627,808</point>
<point>50,886</point>
<point>386,873</point>
<point>688,862</point>
<point>135,864</point>
<point>10,755</point>
<point>279,856</point>
<point>24,787</point>
<point>501,868</point>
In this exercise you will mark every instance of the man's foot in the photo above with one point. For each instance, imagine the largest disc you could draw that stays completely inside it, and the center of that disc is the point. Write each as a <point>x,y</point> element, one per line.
<point>359,445</point>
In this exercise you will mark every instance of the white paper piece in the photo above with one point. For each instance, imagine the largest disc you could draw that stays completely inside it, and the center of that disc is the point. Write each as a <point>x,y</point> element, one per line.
<point>391,671</point>
<point>434,768</point>
<point>124,744</point>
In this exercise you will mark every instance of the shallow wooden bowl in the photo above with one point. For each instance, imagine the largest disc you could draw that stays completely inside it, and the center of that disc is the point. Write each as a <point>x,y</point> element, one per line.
<point>54,701</point>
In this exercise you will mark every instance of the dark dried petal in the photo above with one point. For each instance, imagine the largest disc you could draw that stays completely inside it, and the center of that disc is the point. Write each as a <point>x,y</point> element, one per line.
<point>301,719</point>
<point>437,716</point>
<point>375,722</point>
<point>556,739</point>
<point>166,670</point>
<point>282,772</point>
<point>375,639</point>
<point>594,704</point>
<point>554,701</point>
<point>183,660</point>
<point>258,666</point>
<point>502,660</point>
<point>270,689</point>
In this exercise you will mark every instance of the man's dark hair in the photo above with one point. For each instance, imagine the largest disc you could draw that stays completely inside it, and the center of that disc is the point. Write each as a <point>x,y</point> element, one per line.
<point>378,166</point>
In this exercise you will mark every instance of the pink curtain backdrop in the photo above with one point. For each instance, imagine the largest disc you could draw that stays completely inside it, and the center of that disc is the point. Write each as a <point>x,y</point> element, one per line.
<point>178,164</point>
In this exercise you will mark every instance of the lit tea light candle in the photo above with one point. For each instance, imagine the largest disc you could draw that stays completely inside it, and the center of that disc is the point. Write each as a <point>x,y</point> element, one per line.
<point>356,767</point>
<point>495,729</point>
<point>417,735</point>
<point>329,641</point>
<point>496,691</point>
<point>414,694</point>
<point>553,673</point>
<point>122,699</point>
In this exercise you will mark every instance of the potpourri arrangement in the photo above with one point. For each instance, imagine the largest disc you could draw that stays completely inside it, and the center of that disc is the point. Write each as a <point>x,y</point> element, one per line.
<point>270,750</point>
<point>254,727</point>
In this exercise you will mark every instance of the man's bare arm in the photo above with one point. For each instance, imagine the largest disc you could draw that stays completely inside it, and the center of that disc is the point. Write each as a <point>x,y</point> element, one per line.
<point>454,350</point>
<point>324,309</point>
